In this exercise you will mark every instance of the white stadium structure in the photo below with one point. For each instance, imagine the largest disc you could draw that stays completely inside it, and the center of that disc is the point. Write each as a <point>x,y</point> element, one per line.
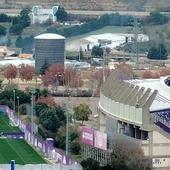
<point>138,110</point>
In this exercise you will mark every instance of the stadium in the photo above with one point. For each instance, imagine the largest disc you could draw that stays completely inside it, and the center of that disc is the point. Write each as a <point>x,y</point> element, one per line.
<point>138,110</point>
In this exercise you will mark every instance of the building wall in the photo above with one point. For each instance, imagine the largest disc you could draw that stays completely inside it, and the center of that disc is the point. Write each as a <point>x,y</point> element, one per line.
<point>120,110</point>
<point>156,146</point>
<point>51,51</point>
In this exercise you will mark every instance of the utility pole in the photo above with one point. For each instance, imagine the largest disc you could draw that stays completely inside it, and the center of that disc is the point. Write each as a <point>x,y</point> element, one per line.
<point>103,66</point>
<point>136,40</point>
<point>67,132</point>
<point>67,147</point>
<point>14,100</point>
<point>18,108</point>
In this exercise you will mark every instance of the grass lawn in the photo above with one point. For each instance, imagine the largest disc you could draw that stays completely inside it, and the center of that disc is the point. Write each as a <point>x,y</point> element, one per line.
<point>5,125</point>
<point>107,29</point>
<point>18,150</point>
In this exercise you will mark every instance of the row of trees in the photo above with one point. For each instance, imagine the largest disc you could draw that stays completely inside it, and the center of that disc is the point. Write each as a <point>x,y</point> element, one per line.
<point>158,52</point>
<point>52,119</point>
<point>156,18</point>
<point>25,72</point>
<point>25,43</point>
<point>156,74</point>
<point>113,19</point>
<point>20,22</point>
<point>56,75</point>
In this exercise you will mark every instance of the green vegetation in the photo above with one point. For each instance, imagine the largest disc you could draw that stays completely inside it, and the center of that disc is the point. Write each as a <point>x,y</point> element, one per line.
<point>109,19</point>
<point>4,18</point>
<point>44,67</point>
<point>2,30</point>
<point>61,14</point>
<point>82,112</point>
<point>74,139</point>
<point>5,124</point>
<point>16,29</point>
<point>19,150</point>
<point>156,18</point>
<point>97,51</point>
<point>25,43</point>
<point>51,119</point>
<point>158,52</point>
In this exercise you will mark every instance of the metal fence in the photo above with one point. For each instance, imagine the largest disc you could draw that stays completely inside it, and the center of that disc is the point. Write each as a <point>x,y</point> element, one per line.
<point>41,167</point>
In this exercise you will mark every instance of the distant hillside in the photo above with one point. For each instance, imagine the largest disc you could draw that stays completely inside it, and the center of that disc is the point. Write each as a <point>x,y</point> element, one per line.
<point>119,5</point>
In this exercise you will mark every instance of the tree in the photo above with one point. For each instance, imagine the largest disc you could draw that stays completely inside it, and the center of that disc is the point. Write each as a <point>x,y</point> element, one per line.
<point>4,18</point>
<point>156,18</point>
<point>97,51</point>
<point>61,14</point>
<point>124,71</point>
<point>127,155</point>
<point>16,29</point>
<point>72,78</point>
<point>90,164</point>
<point>82,112</point>
<point>26,72</point>
<point>164,71</point>
<point>9,95</point>
<point>54,75</point>
<point>39,108</point>
<point>2,30</point>
<point>74,139</point>
<point>81,55</point>
<point>52,118</point>
<point>15,20</point>
<point>158,52</point>
<point>25,43</point>
<point>10,72</point>
<point>19,42</point>
<point>49,101</point>
<point>147,74</point>
<point>24,17</point>
<point>44,67</point>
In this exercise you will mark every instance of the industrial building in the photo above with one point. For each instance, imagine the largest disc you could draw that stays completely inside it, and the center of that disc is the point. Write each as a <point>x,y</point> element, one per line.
<point>50,49</point>
<point>139,111</point>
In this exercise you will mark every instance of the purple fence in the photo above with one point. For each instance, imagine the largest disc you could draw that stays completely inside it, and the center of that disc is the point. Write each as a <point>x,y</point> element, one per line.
<point>45,146</point>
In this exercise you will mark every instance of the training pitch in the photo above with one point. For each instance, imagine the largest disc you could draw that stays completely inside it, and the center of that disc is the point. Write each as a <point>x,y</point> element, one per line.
<point>16,149</point>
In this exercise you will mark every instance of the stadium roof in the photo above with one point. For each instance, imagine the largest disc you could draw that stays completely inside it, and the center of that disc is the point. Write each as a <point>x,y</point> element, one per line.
<point>162,99</point>
<point>49,36</point>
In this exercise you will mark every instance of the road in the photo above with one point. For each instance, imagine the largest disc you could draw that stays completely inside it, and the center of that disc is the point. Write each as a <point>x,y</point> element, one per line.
<point>134,13</point>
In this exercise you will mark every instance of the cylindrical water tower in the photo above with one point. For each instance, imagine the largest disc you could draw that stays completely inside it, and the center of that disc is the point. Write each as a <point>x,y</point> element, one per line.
<point>49,48</point>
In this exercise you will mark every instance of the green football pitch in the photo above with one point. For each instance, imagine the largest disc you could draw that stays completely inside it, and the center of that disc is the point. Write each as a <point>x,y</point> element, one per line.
<point>5,125</point>
<point>18,150</point>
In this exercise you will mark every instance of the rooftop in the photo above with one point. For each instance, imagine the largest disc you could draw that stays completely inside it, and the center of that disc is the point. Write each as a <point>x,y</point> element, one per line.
<point>49,36</point>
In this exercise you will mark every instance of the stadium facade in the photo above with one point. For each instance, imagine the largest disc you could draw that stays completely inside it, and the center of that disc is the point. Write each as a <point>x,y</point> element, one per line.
<point>138,110</point>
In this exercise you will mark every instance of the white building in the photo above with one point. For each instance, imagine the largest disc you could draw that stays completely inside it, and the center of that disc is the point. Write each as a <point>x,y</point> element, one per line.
<point>41,15</point>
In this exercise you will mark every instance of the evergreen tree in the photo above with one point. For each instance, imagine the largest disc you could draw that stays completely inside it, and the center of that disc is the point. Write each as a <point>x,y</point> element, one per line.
<point>44,67</point>
<point>61,14</point>
<point>158,52</point>
<point>81,55</point>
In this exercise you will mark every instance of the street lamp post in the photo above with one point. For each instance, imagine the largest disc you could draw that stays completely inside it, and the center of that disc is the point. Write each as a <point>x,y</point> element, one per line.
<point>18,108</point>
<point>14,100</point>
<point>32,113</point>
